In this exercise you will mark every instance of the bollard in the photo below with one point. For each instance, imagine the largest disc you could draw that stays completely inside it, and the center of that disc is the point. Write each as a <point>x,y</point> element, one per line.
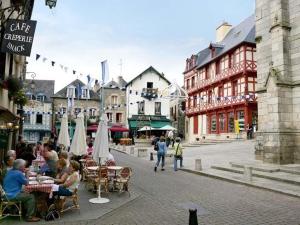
<point>193,220</point>
<point>198,165</point>
<point>131,150</point>
<point>248,173</point>
<point>151,156</point>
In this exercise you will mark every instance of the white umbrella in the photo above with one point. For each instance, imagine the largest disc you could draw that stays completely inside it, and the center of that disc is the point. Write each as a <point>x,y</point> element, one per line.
<point>167,127</point>
<point>63,137</point>
<point>101,152</point>
<point>78,146</point>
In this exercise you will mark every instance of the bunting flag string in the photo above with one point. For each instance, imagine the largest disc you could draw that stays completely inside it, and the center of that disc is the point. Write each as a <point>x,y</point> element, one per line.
<point>61,66</point>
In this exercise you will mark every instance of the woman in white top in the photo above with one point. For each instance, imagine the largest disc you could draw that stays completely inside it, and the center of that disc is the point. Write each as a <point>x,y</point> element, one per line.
<point>72,182</point>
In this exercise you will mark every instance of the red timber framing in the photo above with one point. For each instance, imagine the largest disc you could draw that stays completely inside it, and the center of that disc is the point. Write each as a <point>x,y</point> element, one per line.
<point>224,89</point>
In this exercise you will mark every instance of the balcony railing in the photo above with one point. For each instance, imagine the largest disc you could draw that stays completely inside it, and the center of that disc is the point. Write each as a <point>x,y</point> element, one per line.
<point>226,73</point>
<point>149,93</point>
<point>45,127</point>
<point>204,106</point>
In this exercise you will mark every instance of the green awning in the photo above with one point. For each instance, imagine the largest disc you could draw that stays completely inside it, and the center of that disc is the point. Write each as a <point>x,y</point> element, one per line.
<point>133,124</point>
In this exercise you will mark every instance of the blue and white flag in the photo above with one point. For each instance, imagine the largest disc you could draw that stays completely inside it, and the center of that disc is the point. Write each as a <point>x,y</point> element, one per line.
<point>90,81</point>
<point>105,74</point>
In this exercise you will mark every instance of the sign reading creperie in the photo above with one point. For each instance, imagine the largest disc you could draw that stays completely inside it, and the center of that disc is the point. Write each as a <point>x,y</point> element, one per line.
<point>18,37</point>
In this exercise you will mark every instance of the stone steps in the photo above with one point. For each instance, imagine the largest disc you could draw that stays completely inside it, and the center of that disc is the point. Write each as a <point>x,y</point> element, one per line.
<point>262,183</point>
<point>276,176</point>
<point>269,168</point>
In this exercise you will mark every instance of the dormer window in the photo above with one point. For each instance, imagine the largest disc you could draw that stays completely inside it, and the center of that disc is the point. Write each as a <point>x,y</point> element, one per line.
<point>85,93</point>
<point>30,96</point>
<point>71,92</point>
<point>40,97</point>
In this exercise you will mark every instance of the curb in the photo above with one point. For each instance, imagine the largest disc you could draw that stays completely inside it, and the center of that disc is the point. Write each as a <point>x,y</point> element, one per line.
<point>240,182</point>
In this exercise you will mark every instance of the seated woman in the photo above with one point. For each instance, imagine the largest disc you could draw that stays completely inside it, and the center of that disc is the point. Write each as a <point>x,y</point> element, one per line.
<point>8,165</point>
<point>72,182</point>
<point>62,172</point>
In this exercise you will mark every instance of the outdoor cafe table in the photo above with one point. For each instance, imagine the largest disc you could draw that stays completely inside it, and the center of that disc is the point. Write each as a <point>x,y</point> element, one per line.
<point>41,192</point>
<point>93,168</point>
<point>115,169</point>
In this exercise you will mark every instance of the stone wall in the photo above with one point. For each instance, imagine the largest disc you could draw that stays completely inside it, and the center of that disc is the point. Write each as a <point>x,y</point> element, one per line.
<point>278,67</point>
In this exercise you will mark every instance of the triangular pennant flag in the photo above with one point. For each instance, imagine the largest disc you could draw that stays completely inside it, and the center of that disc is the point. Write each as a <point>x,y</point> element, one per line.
<point>53,63</point>
<point>44,59</point>
<point>74,72</point>
<point>66,69</point>
<point>61,66</point>
<point>37,56</point>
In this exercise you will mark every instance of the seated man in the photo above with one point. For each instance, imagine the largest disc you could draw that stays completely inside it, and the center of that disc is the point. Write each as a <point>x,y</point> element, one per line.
<point>12,185</point>
<point>49,168</point>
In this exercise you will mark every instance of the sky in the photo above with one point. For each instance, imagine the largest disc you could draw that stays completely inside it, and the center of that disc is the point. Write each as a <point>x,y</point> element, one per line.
<point>131,35</point>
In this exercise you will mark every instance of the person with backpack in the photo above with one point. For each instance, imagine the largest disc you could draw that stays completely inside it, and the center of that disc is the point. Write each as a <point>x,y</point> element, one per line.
<point>178,153</point>
<point>161,152</point>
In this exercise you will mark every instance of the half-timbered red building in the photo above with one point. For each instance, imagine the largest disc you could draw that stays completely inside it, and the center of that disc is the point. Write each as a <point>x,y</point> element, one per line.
<point>220,81</point>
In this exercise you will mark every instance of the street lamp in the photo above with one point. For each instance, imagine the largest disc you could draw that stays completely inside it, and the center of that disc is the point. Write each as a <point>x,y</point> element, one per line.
<point>51,3</point>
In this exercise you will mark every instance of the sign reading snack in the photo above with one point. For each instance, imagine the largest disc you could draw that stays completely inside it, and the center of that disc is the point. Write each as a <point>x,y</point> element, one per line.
<point>18,37</point>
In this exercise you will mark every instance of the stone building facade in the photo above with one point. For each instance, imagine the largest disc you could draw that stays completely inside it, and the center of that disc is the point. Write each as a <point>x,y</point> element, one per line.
<point>85,100</point>
<point>278,67</point>
<point>114,94</point>
<point>37,115</point>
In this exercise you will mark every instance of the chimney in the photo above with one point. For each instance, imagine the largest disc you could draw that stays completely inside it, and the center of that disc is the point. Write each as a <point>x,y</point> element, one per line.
<point>222,31</point>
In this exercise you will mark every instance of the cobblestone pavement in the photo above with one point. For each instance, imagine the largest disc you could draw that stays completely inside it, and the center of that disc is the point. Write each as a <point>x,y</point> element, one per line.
<point>164,193</point>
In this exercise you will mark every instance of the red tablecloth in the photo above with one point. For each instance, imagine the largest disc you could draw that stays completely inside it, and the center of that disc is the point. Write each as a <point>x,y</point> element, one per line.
<point>39,188</point>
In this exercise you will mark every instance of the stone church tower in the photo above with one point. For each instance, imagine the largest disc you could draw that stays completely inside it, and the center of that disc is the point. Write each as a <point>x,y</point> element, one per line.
<point>278,77</point>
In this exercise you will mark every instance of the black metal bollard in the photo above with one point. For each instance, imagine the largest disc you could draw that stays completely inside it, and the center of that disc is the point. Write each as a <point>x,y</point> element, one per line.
<point>193,220</point>
<point>151,156</point>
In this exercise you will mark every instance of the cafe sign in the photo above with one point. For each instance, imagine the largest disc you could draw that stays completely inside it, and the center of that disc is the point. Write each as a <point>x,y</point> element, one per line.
<point>18,37</point>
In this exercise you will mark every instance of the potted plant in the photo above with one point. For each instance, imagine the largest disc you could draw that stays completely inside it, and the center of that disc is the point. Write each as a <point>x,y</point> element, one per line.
<point>20,98</point>
<point>13,85</point>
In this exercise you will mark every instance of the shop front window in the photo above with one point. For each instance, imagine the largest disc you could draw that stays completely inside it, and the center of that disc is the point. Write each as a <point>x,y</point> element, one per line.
<point>241,119</point>
<point>222,122</point>
<point>231,122</point>
<point>213,124</point>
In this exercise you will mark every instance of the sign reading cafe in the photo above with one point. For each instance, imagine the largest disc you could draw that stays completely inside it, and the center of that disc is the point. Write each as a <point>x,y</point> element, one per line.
<point>18,37</point>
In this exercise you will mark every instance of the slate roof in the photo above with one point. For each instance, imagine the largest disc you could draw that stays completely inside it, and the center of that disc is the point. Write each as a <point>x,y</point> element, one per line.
<point>242,33</point>
<point>63,92</point>
<point>150,69</point>
<point>112,84</point>
<point>121,82</point>
<point>43,87</point>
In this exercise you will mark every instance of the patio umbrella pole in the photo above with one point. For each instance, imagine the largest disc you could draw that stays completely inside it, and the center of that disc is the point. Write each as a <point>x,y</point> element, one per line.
<point>99,200</point>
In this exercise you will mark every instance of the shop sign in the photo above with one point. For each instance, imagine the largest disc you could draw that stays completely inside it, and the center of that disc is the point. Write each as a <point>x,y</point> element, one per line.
<point>18,37</point>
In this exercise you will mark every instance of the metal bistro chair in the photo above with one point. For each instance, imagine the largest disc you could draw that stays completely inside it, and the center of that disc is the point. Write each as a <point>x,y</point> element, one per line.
<point>123,178</point>
<point>111,173</point>
<point>87,174</point>
<point>102,178</point>
<point>6,205</point>
<point>66,203</point>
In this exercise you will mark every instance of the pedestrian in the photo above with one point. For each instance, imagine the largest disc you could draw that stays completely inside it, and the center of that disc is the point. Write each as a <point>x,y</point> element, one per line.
<point>162,150</point>
<point>178,153</point>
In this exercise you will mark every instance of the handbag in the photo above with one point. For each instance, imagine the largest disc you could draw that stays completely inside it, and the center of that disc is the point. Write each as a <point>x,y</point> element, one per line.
<point>156,147</point>
<point>52,215</point>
